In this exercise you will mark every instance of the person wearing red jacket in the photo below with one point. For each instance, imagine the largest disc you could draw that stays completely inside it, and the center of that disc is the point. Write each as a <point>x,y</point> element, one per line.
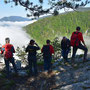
<point>47,51</point>
<point>8,51</point>
<point>77,42</point>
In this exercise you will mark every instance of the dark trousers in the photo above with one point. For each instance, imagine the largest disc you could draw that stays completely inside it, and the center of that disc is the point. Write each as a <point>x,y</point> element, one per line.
<point>82,48</point>
<point>32,63</point>
<point>65,54</point>
<point>47,63</point>
<point>7,61</point>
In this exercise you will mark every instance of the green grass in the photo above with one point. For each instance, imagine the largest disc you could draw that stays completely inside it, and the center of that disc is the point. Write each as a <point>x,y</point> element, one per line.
<point>61,25</point>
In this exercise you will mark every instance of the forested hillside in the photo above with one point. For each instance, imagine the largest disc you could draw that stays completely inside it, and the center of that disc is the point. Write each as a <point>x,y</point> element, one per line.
<point>61,25</point>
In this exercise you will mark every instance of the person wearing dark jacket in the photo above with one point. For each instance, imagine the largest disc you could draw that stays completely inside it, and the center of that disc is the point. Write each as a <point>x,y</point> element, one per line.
<point>65,46</point>
<point>31,49</point>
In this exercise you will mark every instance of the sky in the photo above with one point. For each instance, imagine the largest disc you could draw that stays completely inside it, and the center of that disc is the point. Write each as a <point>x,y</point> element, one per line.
<point>7,10</point>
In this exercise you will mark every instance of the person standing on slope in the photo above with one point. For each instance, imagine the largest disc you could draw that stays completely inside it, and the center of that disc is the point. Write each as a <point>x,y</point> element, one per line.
<point>47,51</point>
<point>65,46</point>
<point>8,50</point>
<point>77,42</point>
<point>32,60</point>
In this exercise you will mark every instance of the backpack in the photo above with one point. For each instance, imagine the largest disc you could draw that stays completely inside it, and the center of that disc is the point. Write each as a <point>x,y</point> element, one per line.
<point>74,39</point>
<point>46,51</point>
<point>8,51</point>
<point>65,44</point>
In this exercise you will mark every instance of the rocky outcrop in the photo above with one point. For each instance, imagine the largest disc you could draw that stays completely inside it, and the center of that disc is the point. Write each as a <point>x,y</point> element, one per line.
<point>75,77</point>
<point>63,77</point>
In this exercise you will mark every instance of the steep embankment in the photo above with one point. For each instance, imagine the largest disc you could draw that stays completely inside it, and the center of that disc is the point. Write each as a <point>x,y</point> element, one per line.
<point>63,24</point>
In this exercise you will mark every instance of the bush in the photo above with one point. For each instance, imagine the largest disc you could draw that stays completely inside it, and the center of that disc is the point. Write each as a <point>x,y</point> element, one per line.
<point>22,55</point>
<point>57,48</point>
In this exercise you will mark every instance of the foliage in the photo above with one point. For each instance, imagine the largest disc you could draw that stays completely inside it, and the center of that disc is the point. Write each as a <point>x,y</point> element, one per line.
<point>57,26</point>
<point>52,5</point>
<point>22,55</point>
<point>39,57</point>
<point>57,48</point>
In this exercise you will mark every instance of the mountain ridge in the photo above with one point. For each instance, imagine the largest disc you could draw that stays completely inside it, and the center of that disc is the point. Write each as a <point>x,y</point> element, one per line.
<point>14,18</point>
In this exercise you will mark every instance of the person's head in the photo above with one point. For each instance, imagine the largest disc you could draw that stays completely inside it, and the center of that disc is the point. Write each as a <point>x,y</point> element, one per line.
<point>7,40</point>
<point>32,42</point>
<point>64,38</point>
<point>48,41</point>
<point>78,28</point>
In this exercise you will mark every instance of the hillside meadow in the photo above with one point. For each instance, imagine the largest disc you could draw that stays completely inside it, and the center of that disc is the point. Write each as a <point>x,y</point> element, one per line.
<point>57,26</point>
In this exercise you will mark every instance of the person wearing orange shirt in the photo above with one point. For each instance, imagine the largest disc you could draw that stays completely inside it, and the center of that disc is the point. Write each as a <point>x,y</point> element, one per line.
<point>8,50</point>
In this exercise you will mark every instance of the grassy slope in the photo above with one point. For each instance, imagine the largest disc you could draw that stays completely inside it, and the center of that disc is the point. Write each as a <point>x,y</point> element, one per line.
<point>64,24</point>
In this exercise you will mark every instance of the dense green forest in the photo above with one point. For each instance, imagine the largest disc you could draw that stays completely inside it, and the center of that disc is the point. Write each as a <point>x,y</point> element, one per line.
<point>56,26</point>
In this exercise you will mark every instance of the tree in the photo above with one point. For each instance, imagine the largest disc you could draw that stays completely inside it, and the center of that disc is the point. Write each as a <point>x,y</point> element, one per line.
<point>54,6</point>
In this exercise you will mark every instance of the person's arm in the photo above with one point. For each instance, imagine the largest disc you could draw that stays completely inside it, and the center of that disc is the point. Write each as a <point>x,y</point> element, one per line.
<point>27,48</point>
<point>1,52</point>
<point>37,46</point>
<point>61,44</point>
<point>42,50</point>
<point>82,40</point>
<point>13,49</point>
<point>68,43</point>
<point>51,49</point>
<point>84,44</point>
<point>2,49</point>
